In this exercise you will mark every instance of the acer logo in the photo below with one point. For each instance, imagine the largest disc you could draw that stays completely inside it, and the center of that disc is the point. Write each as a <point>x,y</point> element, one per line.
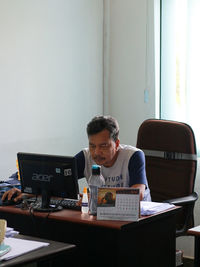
<point>41,177</point>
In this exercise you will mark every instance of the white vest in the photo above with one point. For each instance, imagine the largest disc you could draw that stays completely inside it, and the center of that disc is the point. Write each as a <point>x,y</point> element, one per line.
<point>116,175</point>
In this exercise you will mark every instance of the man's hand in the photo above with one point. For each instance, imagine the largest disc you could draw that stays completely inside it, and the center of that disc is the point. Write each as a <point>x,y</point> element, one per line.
<point>8,194</point>
<point>142,189</point>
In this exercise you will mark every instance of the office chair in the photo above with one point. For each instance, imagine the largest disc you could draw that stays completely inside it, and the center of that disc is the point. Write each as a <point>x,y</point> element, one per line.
<point>171,163</point>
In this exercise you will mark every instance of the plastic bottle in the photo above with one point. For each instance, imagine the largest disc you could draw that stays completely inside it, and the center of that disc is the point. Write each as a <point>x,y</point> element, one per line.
<point>96,180</point>
<point>84,205</point>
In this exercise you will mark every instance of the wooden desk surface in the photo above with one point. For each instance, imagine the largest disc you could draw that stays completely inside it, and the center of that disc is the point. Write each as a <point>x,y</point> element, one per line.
<point>195,231</point>
<point>124,243</point>
<point>77,217</point>
<point>54,248</point>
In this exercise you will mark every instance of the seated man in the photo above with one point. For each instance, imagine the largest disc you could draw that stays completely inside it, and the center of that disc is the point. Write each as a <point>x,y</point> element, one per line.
<point>121,165</point>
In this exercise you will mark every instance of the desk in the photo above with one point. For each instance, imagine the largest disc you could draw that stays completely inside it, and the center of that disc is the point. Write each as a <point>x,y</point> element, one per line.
<point>147,242</point>
<point>44,256</point>
<point>195,231</point>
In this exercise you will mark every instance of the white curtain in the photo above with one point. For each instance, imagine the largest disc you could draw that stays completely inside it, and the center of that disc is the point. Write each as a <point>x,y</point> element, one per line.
<point>180,60</point>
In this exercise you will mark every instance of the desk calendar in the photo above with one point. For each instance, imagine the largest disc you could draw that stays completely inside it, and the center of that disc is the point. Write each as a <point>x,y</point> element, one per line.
<point>118,204</point>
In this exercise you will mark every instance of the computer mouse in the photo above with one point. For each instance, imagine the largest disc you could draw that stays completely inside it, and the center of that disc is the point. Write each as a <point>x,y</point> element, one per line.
<point>10,202</point>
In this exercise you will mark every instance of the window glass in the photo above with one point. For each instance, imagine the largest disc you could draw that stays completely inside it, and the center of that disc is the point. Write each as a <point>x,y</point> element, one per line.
<point>180,59</point>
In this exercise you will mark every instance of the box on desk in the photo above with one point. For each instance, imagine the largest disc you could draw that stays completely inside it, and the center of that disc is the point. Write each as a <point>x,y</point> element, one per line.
<point>118,204</point>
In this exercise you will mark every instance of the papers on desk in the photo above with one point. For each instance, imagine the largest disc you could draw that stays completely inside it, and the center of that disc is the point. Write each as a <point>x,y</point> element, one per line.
<point>10,183</point>
<point>150,208</point>
<point>4,248</point>
<point>10,232</point>
<point>20,246</point>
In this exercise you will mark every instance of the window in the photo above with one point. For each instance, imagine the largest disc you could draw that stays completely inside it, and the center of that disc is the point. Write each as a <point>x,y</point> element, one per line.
<point>180,59</point>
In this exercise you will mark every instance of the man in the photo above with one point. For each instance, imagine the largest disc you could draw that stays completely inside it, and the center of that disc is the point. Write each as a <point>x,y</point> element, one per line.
<point>121,165</point>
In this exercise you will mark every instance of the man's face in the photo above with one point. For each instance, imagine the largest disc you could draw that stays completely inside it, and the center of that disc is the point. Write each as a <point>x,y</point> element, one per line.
<point>103,149</point>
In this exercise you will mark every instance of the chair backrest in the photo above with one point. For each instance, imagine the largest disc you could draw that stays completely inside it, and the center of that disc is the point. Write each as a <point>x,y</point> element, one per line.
<point>170,153</point>
<point>168,175</point>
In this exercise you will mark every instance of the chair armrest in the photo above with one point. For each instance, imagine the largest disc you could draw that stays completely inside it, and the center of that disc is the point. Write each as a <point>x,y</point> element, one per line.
<point>182,201</point>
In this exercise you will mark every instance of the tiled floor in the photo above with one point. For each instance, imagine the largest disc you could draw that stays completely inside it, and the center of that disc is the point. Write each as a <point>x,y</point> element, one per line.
<point>188,262</point>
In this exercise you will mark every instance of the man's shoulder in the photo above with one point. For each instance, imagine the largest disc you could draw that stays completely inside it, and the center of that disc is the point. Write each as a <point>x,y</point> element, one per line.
<point>87,155</point>
<point>127,151</point>
<point>86,151</point>
<point>128,148</point>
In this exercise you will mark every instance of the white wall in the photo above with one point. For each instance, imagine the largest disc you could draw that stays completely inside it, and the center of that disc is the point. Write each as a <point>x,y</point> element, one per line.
<point>131,65</point>
<point>50,76</point>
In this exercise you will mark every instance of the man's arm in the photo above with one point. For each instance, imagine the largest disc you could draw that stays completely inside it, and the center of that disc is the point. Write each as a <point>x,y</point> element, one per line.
<point>137,172</point>
<point>80,164</point>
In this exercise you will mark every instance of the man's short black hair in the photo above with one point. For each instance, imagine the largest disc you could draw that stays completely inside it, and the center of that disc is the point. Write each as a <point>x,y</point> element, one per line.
<point>100,123</point>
